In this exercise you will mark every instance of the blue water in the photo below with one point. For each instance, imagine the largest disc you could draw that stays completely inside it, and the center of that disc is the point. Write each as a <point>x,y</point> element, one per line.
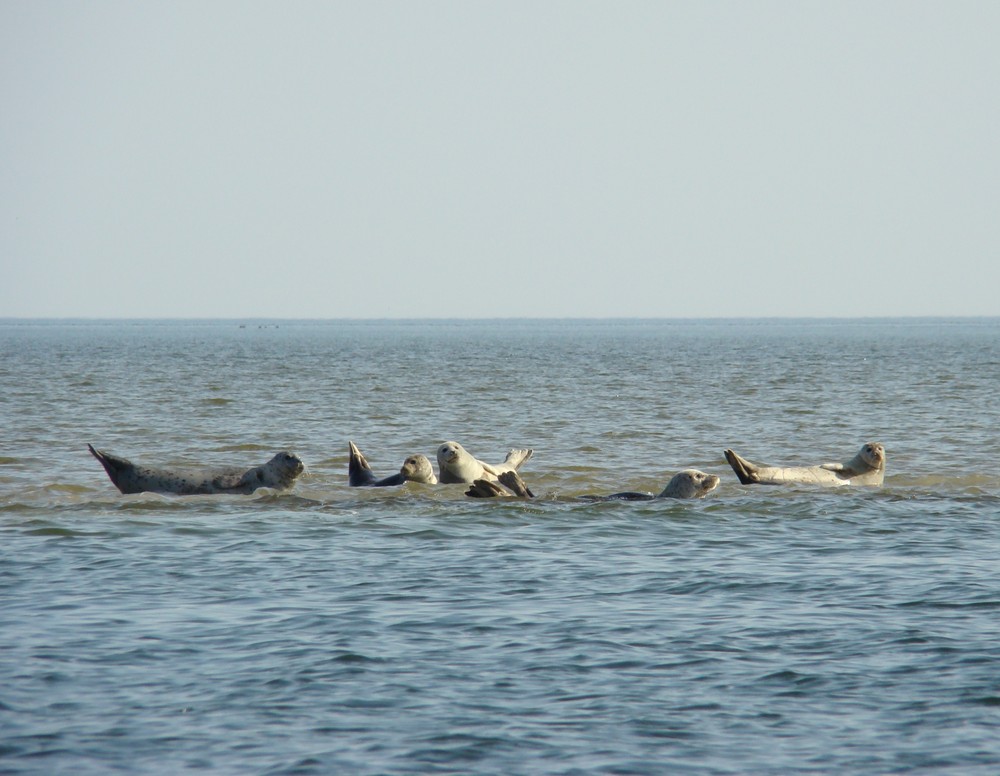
<point>413,630</point>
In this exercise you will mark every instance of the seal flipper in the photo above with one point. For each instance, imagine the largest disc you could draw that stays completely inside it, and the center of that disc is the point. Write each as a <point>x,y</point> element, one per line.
<point>359,473</point>
<point>513,482</point>
<point>745,470</point>
<point>485,489</point>
<point>115,467</point>
<point>510,484</point>
<point>516,457</point>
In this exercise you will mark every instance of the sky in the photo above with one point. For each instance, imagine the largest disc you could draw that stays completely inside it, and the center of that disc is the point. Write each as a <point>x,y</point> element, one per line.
<point>244,159</point>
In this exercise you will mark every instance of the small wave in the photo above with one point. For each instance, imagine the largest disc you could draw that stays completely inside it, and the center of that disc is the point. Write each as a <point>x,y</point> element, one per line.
<point>53,530</point>
<point>242,447</point>
<point>217,401</point>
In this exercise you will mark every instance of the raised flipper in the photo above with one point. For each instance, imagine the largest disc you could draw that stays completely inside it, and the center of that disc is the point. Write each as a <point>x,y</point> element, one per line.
<point>746,471</point>
<point>360,474</point>
<point>513,482</point>
<point>510,484</point>
<point>113,465</point>
<point>517,457</point>
<point>486,489</point>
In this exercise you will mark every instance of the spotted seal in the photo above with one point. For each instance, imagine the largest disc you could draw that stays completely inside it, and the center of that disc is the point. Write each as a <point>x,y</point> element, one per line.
<point>279,473</point>
<point>416,468</point>
<point>689,483</point>
<point>865,468</point>
<point>456,465</point>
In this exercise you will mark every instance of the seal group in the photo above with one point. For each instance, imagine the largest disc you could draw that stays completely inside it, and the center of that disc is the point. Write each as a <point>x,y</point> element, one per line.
<point>457,466</point>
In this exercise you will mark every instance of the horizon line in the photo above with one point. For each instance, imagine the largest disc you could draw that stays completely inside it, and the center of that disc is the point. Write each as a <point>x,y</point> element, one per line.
<point>430,319</point>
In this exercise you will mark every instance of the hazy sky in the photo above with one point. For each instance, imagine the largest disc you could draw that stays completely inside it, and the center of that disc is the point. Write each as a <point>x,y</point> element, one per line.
<point>481,159</point>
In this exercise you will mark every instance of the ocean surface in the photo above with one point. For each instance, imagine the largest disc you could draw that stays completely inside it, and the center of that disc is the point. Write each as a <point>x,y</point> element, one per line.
<point>413,630</point>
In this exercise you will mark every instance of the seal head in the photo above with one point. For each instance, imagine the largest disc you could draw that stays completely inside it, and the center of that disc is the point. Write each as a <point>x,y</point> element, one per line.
<point>690,483</point>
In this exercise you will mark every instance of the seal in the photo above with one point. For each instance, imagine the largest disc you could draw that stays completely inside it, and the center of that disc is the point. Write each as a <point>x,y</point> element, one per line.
<point>689,483</point>
<point>865,468</point>
<point>279,473</point>
<point>416,468</point>
<point>456,465</point>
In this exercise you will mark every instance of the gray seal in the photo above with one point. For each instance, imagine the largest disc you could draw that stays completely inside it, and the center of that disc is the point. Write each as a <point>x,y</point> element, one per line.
<point>278,474</point>
<point>689,483</point>
<point>416,468</point>
<point>457,465</point>
<point>865,468</point>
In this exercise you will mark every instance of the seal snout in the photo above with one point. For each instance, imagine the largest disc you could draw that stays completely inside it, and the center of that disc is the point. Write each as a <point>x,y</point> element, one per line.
<point>292,461</point>
<point>875,453</point>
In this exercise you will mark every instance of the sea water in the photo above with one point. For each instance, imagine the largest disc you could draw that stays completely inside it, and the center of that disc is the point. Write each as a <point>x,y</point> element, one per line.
<point>330,629</point>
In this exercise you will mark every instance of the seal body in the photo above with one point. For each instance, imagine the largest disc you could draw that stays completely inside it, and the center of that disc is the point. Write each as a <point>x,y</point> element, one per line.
<point>279,473</point>
<point>416,468</point>
<point>457,465</point>
<point>865,468</point>
<point>689,483</point>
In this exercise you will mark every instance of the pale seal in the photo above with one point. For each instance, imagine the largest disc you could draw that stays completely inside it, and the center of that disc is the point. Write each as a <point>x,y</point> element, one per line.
<point>416,468</point>
<point>456,465</point>
<point>866,468</point>
<point>689,483</point>
<point>279,473</point>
